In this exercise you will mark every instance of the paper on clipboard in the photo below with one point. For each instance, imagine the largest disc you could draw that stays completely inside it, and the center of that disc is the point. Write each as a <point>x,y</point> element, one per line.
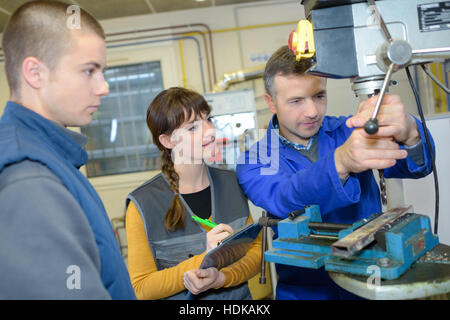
<point>232,248</point>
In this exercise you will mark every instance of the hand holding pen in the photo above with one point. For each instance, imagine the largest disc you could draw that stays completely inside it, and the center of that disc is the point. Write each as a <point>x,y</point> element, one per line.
<point>217,234</point>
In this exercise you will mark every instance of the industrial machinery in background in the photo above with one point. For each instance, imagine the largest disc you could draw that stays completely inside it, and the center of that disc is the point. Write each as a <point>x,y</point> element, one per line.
<point>366,42</point>
<point>362,39</point>
<point>234,116</point>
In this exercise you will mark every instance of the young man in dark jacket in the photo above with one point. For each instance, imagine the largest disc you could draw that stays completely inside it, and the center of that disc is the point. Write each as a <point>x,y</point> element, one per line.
<point>57,240</point>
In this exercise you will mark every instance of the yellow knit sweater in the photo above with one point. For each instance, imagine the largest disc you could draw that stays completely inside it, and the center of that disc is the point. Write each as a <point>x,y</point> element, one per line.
<point>150,284</point>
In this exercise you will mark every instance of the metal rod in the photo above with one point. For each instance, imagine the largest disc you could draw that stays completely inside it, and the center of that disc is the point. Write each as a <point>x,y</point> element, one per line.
<point>371,126</point>
<point>262,278</point>
<point>383,90</point>
<point>432,50</point>
<point>380,20</point>
<point>323,236</point>
<point>328,226</point>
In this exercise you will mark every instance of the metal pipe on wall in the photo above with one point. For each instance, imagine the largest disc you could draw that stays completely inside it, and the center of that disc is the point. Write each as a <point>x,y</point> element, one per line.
<point>211,47</point>
<point>169,39</point>
<point>228,78</point>
<point>190,33</point>
<point>203,25</point>
<point>238,76</point>
<point>183,67</point>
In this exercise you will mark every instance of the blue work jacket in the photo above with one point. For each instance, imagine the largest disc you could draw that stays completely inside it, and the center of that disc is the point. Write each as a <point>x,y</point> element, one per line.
<point>280,180</point>
<point>26,135</point>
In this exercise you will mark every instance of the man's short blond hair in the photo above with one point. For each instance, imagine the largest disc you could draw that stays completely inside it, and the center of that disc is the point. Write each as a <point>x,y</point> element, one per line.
<point>40,29</point>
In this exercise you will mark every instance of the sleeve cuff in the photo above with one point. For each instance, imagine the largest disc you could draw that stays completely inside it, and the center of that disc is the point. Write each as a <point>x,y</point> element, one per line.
<point>348,189</point>
<point>415,152</point>
<point>228,278</point>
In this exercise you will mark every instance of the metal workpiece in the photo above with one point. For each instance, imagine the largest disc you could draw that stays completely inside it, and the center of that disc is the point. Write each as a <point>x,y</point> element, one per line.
<point>424,279</point>
<point>363,236</point>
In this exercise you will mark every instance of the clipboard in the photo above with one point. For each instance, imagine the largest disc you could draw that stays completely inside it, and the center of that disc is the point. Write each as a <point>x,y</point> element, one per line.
<point>232,248</point>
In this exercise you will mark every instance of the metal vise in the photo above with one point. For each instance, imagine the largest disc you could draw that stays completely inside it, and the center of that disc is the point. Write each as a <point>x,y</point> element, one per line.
<point>392,241</point>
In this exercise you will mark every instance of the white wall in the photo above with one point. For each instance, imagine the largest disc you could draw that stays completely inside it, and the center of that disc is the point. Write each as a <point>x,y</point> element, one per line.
<point>421,193</point>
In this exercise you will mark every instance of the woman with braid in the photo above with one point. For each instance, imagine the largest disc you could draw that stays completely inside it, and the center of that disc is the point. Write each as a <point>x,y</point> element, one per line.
<point>165,245</point>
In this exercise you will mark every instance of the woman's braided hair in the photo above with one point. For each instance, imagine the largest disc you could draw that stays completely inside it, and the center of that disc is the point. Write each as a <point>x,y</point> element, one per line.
<point>167,112</point>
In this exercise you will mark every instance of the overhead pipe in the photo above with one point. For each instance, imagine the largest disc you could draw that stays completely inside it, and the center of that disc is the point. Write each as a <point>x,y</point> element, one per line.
<point>238,76</point>
<point>203,25</point>
<point>183,66</point>
<point>190,33</point>
<point>228,78</point>
<point>169,39</point>
<point>209,34</point>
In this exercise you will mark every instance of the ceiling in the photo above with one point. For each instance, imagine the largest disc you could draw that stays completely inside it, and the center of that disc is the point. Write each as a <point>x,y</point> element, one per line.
<point>106,9</point>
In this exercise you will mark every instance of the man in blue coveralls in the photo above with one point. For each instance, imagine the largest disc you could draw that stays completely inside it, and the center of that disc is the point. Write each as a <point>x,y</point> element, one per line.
<point>309,158</point>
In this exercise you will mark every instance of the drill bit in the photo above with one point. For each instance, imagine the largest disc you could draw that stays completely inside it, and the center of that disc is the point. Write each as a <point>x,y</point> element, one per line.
<point>382,187</point>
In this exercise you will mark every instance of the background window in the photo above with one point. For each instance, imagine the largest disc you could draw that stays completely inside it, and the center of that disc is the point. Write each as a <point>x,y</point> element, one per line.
<point>119,139</point>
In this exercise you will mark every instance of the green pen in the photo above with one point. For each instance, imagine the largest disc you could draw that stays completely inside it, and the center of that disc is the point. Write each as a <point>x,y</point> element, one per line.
<point>206,222</point>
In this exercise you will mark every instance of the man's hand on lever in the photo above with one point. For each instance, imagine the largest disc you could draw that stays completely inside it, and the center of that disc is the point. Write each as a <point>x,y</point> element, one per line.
<point>393,120</point>
<point>362,151</point>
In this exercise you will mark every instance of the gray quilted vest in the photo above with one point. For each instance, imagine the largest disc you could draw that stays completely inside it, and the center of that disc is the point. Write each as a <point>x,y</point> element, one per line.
<point>228,204</point>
